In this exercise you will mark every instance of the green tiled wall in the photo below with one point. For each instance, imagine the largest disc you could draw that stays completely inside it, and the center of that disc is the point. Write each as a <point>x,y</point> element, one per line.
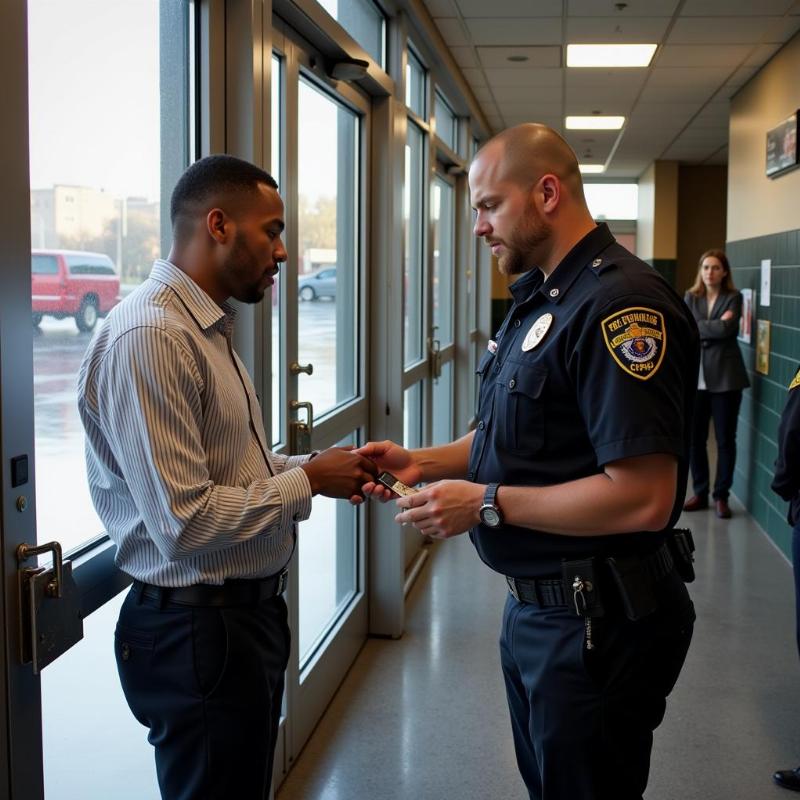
<point>764,400</point>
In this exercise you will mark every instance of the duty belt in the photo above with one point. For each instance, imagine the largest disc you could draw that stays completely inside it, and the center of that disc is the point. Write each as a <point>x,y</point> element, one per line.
<point>234,592</point>
<point>552,592</point>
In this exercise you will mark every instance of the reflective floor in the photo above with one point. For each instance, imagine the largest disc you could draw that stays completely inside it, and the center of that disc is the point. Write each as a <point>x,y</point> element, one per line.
<point>425,716</point>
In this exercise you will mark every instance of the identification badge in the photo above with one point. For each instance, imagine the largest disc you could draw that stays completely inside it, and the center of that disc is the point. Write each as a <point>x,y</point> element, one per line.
<point>537,332</point>
<point>796,382</point>
<point>637,340</point>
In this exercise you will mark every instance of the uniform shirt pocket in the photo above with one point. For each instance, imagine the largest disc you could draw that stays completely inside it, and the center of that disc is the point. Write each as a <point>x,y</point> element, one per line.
<point>520,408</point>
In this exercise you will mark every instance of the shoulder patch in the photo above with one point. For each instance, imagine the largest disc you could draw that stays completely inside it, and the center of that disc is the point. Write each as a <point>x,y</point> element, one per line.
<point>637,339</point>
<point>795,381</point>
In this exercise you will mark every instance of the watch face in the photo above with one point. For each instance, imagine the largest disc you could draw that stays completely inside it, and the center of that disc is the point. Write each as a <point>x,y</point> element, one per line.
<point>490,517</point>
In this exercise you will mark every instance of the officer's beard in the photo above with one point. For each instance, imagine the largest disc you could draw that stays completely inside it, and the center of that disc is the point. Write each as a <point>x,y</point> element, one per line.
<point>523,249</point>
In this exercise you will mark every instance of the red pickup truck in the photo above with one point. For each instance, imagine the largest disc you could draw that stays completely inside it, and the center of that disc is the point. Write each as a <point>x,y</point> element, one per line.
<point>69,283</point>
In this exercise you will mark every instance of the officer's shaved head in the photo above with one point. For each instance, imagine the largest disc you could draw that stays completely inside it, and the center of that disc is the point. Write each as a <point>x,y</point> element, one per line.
<point>524,153</point>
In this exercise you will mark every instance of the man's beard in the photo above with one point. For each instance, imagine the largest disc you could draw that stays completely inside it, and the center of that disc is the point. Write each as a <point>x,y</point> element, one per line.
<point>523,243</point>
<point>240,267</point>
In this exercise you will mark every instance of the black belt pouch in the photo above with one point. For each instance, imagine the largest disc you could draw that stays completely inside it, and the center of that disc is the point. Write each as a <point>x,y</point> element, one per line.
<point>635,586</point>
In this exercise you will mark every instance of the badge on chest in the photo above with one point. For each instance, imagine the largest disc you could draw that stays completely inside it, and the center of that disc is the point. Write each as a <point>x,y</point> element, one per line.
<point>537,332</point>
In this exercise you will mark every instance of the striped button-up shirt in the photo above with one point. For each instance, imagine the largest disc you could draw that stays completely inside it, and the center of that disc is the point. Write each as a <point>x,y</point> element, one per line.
<point>177,458</point>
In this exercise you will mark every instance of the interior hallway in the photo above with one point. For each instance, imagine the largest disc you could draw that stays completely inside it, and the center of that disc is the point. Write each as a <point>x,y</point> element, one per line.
<point>425,717</point>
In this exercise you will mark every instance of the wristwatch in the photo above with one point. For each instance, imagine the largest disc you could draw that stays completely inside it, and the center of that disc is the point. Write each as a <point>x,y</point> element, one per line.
<point>490,514</point>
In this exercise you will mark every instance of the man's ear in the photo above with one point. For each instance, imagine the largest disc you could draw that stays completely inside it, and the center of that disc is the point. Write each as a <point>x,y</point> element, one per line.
<point>549,192</point>
<point>219,226</point>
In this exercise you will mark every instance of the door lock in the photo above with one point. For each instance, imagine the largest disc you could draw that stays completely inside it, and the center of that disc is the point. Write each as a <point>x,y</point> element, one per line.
<point>299,431</point>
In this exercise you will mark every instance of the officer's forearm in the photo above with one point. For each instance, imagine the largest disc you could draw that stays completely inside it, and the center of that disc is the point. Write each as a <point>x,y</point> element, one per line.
<point>448,461</point>
<point>636,494</point>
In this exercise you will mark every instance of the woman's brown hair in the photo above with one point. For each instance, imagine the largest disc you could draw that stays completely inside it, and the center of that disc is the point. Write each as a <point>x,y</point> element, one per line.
<point>699,288</point>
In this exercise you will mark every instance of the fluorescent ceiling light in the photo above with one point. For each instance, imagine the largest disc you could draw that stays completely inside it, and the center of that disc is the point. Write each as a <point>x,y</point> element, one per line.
<point>610,55</point>
<point>589,169</point>
<point>595,123</point>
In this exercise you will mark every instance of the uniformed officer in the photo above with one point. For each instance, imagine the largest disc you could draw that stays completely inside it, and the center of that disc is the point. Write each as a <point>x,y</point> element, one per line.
<point>574,477</point>
<point>787,484</point>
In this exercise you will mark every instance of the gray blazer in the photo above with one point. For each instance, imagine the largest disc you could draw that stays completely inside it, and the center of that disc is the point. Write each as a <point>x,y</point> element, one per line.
<point>723,366</point>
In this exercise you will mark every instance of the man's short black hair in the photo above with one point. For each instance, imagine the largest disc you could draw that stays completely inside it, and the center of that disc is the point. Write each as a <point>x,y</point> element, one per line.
<point>213,176</point>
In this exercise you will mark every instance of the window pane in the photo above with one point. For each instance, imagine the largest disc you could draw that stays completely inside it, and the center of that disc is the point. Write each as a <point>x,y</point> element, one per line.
<point>327,545</point>
<point>363,20</point>
<point>412,416</point>
<point>443,406</point>
<point>104,99</point>
<point>328,170</point>
<point>612,200</point>
<point>413,231</point>
<point>277,172</point>
<point>446,123</point>
<point>443,260</point>
<point>415,85</point>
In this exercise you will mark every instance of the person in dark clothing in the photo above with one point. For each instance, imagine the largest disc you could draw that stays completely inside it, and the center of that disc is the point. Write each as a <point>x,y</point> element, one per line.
<point>717,308</point>
<point>786,483</point>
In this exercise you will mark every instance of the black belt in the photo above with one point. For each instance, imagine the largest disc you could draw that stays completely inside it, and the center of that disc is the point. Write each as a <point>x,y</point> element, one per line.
<point>234,592</point>
<point>550,591</point>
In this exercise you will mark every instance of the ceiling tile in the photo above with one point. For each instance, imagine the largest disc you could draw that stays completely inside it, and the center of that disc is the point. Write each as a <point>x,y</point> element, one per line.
<point>676,94</point>
<point>685,76</point>
<point>517,108</point>
<point>697,55</point>
<point>720,157</point>
<point>602,98</point>
<point>453,32</point>
<point>441,8</point>
<point>612,30</point>
<point>510,8</point>
<point>515,31</point>
<point>544,78</point>
<point>474,77</point>
<point>584,105</point>
<point>720,30</point>
<point>465,56</point>
<point>605,78</point>
<point>735,8</point>
<point>537,57</point>
<point>762,54</point>
<point>483,94</point>
<point>742,76</point>
<point>635,8</point>
<point>671,111</point>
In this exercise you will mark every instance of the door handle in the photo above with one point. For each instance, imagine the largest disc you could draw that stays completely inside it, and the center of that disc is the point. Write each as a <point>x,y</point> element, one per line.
<point>296,368</point>
<point>300,431</point>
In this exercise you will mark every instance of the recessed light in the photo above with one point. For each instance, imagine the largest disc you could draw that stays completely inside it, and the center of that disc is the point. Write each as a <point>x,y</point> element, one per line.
<point>595,123</point>
<point>517,59</point>
<point>591,169</point>
<point>610,55</point>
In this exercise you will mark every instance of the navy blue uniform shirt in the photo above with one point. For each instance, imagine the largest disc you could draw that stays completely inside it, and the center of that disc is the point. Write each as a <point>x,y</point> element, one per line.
<point>787,467</point>
<point>596,364</point>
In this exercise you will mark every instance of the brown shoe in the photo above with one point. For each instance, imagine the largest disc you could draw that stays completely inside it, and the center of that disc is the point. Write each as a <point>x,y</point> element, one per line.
<point>695,503</point>
<point>723,509</point>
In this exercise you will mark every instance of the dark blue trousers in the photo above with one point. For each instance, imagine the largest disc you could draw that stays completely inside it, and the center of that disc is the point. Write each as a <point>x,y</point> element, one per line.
<point>208,683</point>
<point>583,720</point>
<point>724,408</point>
<point>796,563</point>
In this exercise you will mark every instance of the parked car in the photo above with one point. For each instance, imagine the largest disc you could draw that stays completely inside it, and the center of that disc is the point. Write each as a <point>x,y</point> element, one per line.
<point>69,283</point>
<point>318,284</point>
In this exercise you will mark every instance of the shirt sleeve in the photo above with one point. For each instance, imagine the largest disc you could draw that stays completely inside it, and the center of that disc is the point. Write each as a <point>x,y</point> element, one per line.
<point>149,406</point>
<point>632,371</point>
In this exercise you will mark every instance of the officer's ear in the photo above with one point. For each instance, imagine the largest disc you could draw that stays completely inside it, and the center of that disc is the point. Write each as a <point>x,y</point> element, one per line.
<point>548,190</point>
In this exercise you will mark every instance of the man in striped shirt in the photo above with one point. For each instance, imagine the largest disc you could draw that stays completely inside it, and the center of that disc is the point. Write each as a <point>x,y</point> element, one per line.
<point>204,516</point>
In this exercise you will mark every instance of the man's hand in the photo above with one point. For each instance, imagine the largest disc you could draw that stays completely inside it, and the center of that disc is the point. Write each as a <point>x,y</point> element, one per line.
<point>339,472</point>
<point>389,457</point>
<point>443,509</point>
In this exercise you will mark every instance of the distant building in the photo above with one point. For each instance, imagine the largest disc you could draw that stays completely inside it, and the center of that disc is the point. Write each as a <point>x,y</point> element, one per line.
<point>73,213</point>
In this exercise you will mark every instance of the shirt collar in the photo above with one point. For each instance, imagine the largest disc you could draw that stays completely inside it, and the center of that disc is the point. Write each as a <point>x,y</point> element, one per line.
<point>204,310</point>
<point>564,275</point>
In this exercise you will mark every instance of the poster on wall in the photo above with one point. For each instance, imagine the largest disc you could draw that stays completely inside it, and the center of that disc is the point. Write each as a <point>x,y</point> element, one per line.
<point>746,320</point>
<point>782,147</point>
<point>766,280</point>
<point>762,347</point>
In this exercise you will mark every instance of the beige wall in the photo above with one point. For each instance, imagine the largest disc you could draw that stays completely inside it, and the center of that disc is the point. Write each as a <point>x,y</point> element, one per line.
<point>757,205</point>
<point>702,207</point>
<point>657,225</point>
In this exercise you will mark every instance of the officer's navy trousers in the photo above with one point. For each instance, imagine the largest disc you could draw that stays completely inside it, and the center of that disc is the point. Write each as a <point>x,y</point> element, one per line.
<point>208,683</point>
<point>796,564</point>
<point>583,720</point>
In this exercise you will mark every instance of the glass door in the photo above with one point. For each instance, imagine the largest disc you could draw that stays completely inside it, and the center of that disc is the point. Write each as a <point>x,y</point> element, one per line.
<point>102,147</point>
<point>322,319</point>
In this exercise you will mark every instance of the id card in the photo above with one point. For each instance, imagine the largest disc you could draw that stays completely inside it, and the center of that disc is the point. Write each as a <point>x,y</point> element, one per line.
<point>396,485</point>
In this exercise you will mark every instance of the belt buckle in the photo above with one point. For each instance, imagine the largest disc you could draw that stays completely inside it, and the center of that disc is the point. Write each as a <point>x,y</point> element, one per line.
<point>512,587</point>
<point>283,579</point>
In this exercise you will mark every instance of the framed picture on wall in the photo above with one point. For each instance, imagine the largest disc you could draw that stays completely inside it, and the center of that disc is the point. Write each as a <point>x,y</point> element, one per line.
<point>762,347</point>
<point>746,320</point>
<point>782,147</point>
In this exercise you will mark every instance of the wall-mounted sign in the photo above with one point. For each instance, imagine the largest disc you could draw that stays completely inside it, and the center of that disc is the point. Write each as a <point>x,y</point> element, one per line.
<point>746,320</point>
<point>782,147</point>
<point>766,280</point>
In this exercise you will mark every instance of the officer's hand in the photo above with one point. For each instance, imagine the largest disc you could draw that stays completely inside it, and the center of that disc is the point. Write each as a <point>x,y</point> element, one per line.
<point>339,472</point>
<point>443,509</point>
<point>389,457</point>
